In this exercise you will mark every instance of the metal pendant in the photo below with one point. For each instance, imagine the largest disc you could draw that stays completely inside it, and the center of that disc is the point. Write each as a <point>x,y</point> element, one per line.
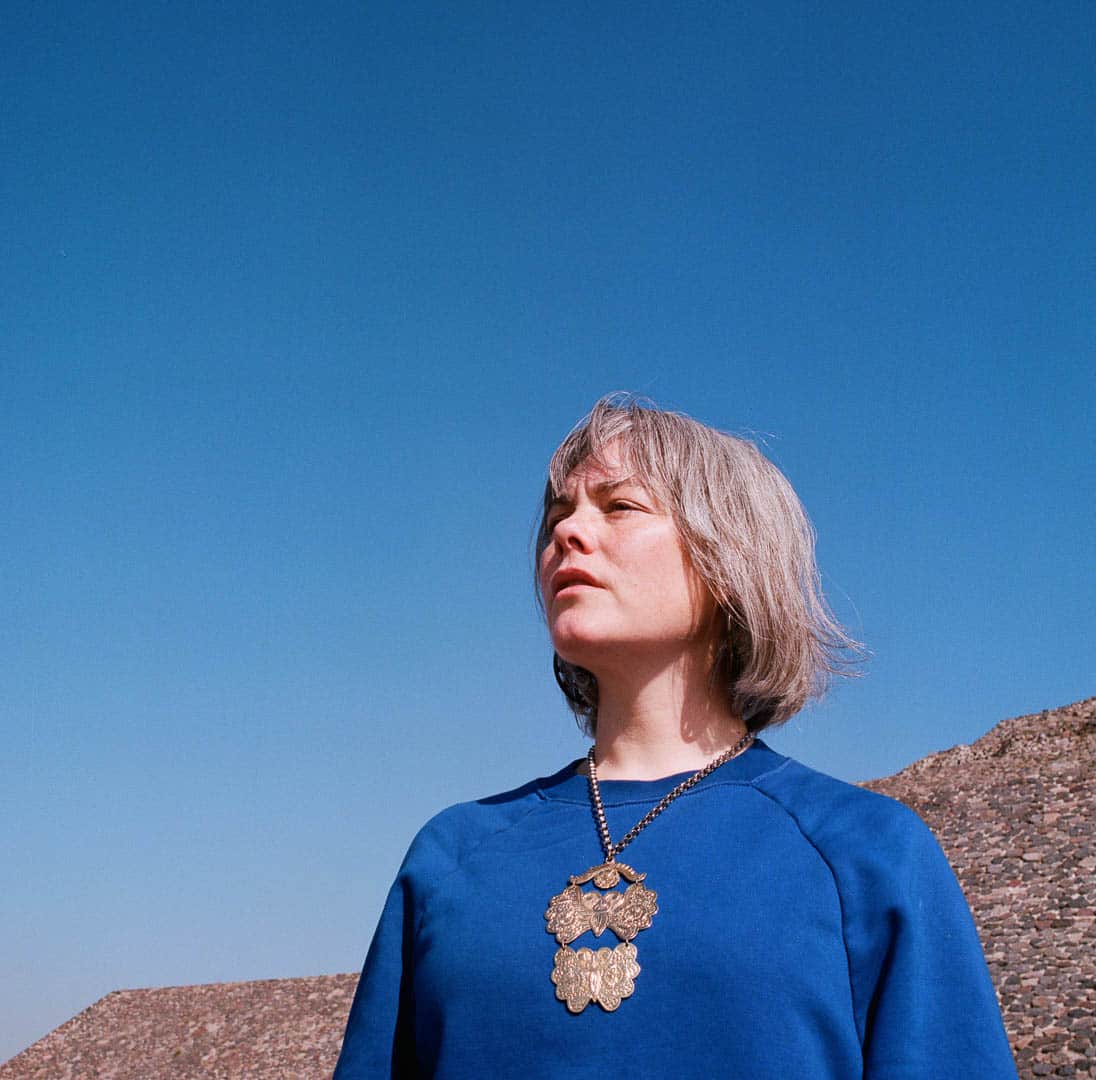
<point>608,975</point>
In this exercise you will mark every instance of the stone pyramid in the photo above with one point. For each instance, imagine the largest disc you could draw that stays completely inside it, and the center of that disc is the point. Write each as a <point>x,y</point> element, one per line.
<point>1013,811</point>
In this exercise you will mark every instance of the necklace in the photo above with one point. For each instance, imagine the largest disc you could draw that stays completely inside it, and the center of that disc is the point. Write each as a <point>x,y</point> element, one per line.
<point>608,975</point>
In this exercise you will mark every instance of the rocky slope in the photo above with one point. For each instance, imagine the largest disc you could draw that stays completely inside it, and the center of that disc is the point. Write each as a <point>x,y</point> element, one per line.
<point>1015,811</point>
<point>274,1029</point>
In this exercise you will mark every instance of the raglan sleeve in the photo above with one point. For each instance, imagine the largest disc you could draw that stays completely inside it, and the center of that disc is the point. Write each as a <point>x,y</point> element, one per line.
<point>380,1038</point>
<point>927,1003</point>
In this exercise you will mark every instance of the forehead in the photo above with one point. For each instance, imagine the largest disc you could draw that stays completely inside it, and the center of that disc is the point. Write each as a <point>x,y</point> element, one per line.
<point>607,466</point>
<point>602,475</point>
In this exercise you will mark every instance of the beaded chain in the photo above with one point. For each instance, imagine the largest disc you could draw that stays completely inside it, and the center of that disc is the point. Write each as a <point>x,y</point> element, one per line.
<point>611,849</point>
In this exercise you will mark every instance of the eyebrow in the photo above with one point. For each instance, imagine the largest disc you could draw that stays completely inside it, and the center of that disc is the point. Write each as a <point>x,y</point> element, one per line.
<point>602,489</point>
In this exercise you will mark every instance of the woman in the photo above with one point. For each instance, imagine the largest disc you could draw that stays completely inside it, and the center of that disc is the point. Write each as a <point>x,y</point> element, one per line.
<point>766,921</point>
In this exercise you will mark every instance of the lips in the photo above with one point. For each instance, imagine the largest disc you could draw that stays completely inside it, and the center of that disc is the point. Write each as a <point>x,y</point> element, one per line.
<point>570,576</point>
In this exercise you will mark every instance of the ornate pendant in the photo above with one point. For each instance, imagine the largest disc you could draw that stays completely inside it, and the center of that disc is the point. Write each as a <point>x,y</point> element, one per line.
<point>608,975</point>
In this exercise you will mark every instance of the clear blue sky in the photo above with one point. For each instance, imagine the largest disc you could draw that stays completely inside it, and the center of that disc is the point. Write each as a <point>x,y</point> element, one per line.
<point>296,300</point>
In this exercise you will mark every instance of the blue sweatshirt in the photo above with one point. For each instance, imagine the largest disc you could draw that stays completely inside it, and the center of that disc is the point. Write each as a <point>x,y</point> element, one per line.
<point>806,930</point>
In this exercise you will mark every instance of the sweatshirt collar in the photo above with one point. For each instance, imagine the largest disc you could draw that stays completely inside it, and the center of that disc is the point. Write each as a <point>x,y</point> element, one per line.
<point>567,785</point>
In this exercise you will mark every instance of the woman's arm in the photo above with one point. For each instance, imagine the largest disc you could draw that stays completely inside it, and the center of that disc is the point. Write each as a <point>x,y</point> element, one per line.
<point>380,1038</point>
<point>923,1002</point>
<point>932,1010</point>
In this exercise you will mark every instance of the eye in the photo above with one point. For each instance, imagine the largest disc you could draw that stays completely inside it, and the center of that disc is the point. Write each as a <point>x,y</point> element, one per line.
<point>620,504</point>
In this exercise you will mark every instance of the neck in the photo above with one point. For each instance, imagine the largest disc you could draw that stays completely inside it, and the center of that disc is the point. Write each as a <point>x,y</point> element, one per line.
<point>666,721</point>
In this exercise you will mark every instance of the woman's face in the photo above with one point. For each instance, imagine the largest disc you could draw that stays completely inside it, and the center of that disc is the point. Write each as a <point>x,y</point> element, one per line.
<point>615,578</point>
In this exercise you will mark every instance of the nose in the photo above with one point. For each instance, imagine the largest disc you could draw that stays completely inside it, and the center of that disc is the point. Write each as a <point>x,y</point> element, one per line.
<point>574,532</point>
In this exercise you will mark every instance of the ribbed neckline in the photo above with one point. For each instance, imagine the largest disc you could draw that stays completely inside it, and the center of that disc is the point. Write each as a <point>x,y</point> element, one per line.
<point>569,786</point>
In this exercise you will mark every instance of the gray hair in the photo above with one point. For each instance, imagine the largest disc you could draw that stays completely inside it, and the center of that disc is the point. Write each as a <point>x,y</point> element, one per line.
<point>747,536</point>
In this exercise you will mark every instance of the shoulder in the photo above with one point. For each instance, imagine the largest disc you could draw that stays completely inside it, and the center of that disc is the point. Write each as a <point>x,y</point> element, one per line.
<point>902,909</point>
<point>453,833</point>
<point>882,856</point>
<point>844,821</point>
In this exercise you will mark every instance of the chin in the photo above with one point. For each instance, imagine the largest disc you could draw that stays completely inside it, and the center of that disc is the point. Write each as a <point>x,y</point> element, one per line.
<point>572,652</point>
<point>575,649</point>
<point>584,650</point>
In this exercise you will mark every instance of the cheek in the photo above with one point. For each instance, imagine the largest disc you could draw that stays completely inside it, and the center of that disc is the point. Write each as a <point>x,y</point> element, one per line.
<point>662,562</point>
<point>545,567</point>
<point>682,588</point>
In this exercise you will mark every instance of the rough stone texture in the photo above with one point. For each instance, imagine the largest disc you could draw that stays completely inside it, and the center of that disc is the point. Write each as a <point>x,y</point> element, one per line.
<point>275,1029</point>
<point>1014,812</point>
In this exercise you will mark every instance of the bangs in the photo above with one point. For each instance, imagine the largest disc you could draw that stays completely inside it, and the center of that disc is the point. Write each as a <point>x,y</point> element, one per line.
<point>627,423</point>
